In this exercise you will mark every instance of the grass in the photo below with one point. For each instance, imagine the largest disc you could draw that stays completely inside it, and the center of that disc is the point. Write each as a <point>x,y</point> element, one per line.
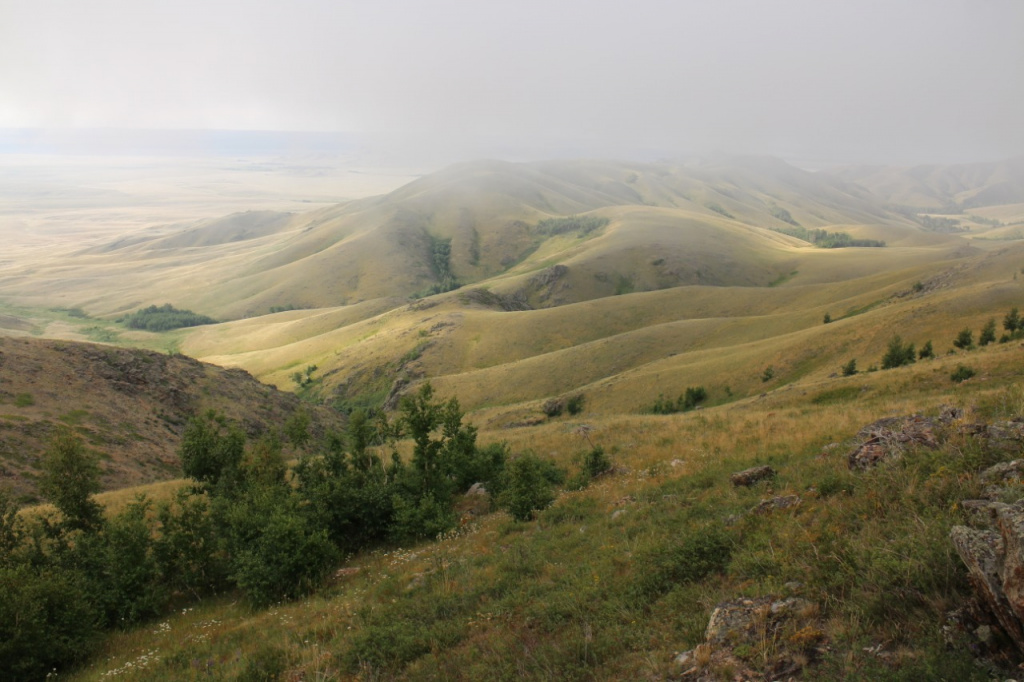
<point>611,581</point>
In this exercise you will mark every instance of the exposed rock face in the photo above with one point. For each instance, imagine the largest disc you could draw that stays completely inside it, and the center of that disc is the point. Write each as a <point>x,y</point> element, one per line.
<point>749,477</point>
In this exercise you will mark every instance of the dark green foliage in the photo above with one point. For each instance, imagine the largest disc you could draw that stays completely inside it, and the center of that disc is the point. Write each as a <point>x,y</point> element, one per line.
<point>964,339</point>
<point>575,403</point>
<point>187,548</point>
<point>850,368</point>
<point>441,267</point>
<point>1012,322</point>
<point>940,224</point>
<point>70,477</point>
<point>693,397</point>
<point>690,559</point>
<point>46,621</point>
<point>122,575</point>
<point>528,487</point>
<point>422,518</point>
<point>210,452</point>
<point>926,351</point>
<point>267,664</point>
<point>276,551</point>
<point>988,333</point>
<point>898,353</point>
<point>961,373</point>
<point>582,224</point>
<point>829,240</point>
<point>827,318</point>
<point>164,318</point>
<point>768,374</point>
<point>296,428</point>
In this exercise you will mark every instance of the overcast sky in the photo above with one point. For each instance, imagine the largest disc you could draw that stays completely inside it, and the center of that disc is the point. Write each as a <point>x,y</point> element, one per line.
<point>904,81</point>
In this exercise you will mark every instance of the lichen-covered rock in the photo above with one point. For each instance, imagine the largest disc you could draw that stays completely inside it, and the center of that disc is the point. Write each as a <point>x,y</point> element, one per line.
<point>776,503</point>
<point>889,438</point>
<point>749,477</point>
<point>995,565</point>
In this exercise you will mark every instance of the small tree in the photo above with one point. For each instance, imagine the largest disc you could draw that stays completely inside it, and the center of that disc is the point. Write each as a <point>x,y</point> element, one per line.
<point>926,350</point>
<point>1012,321</point>
<point>850,368</point>
<point>988,333</point>
<point>768,374</point>
<point>207,454</point>
<point>965,339</point>
<point>70,477</point>
<point>827,318</point>
<point>527,489</point>
<point>961,374</point>
<point>898,353</point>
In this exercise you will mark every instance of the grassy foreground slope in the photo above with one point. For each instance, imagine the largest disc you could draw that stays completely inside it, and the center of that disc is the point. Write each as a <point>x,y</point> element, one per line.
<point>603,585</point>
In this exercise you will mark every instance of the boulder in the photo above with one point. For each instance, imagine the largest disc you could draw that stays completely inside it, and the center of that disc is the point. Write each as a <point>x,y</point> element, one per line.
<point>995,565</point>
<point>891,437</point>
<point>775,503</point>
<point>749,477</point>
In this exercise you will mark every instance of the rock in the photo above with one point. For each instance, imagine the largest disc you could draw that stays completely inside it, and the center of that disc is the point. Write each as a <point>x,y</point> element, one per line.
<point>1004,471</point>
<point>477,489</point>
<point>949,414</point>
<point>1006,436</point>
<point>783,502</point>
<point>617,513</point>
<point>685,659</point>
<point>890,437</point>
<point>677,463</point>
<point>749,477</point>
<point>995,565</point>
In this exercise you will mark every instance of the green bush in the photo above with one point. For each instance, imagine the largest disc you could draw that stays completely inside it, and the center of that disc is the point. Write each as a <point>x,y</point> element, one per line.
<point>988,333</point>
<point>850,368</point>
<point>898,353</point>
<point>164,318</point>
<point>528,487</point>
<point>46,621</point>
<point>210,452</point>
<point>961,373</point>
<point>575,403</point>
<point>964,339</point>
<point>926,351</point>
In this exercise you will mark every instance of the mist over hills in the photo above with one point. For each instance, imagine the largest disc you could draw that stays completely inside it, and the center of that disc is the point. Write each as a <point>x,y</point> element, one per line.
<point>509,282</point>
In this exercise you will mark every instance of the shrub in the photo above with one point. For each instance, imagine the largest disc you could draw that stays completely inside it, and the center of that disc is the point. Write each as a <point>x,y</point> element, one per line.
<point>693,396</point>
<point>827,318</point>
<point>528,487</point>
<point>926,350</point>
<point>164,318</point>
<point>70,477</point>
<point>965,339</point>
<point>961,373</point>
<point>768,374</point>
<point>850,368</point>
<point>898,353</point>
<point>553,407</point>
<point>988,333</point>
<point>210,453</point>
<point>594,463</point>
<point>1012,321</point>
<point>575,404</point>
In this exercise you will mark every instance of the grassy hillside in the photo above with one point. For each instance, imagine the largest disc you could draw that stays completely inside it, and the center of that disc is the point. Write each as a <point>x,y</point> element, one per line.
<point>129,405</point>
<point>598,585</point>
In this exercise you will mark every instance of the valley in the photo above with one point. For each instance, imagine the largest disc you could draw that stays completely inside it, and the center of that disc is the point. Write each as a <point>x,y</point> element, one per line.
<point>565,305</point>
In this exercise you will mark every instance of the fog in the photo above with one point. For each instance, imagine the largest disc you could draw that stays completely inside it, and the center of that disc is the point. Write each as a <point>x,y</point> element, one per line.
<point>907,82</point>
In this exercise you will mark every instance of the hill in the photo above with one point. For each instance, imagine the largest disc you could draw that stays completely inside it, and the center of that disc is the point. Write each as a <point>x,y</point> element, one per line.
<point>130,405</point>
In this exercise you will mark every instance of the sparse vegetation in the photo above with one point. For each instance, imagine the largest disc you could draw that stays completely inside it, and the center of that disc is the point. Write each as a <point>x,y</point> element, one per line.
<point>829,240</point>
<point>961,374</point>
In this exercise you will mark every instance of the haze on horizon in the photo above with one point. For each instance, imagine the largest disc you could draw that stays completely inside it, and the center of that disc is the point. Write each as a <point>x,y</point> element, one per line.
<point>909,82</point>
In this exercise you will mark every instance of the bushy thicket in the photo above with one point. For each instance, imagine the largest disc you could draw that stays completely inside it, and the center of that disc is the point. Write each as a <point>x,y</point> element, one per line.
<point>247,523</point>
<point>827,240</point>
<point>581,224</point>
<point>164,318</point>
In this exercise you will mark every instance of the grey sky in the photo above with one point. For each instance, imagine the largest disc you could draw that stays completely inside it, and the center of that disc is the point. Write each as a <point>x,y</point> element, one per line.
<point>912,80</point>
